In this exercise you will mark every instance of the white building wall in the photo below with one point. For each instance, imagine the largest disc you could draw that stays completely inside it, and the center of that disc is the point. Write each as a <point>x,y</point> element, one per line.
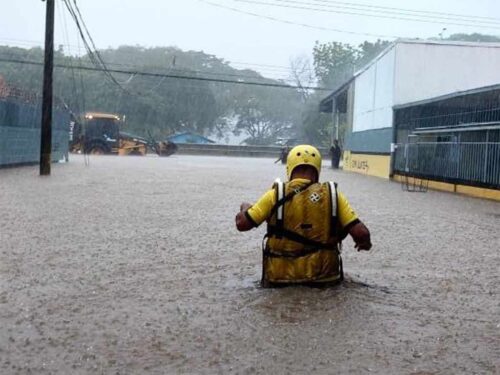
<point>428,70</point>
<point>373,95</point>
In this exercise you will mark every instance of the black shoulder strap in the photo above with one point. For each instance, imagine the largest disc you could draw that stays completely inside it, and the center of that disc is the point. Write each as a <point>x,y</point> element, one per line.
<point>280,202</point>
<point>299,238</point>
<point>279,206</point>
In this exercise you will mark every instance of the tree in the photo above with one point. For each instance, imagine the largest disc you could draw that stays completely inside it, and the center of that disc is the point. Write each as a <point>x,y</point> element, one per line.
<point>264,113</point>
<point>315,124</point>
<point>474,37</point>
<point>302,74</point>
<point>367,51</point>
<point>334,62</point>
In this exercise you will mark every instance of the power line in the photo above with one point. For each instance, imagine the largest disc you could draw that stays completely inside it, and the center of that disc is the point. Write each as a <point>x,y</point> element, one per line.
<point>62,22</point>
<point>270,69</point>
<point>386,10</point>
<point>281,73</point>
<point>255,64</point>
<point>92,52</point>
<point>424,12</point>
<point>275,19</point>
<point>196,71</point>
<point>176,76</point>
<point>359,14</point>
<point>278,71</point>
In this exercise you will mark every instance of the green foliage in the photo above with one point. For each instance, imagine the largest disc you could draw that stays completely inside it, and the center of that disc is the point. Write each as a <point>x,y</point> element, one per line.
<point>264,113</point>
<point>315,124</point>
<point>335,62</point>
<point>474,37</point>
<point>164,105</point>
<point>368,51</point>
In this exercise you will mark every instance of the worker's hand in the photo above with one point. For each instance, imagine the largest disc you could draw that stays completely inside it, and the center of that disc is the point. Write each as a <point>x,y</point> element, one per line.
<point>245,206</point>
<point>242,222</point>
<point>361,236</point>
<point>366,245</point>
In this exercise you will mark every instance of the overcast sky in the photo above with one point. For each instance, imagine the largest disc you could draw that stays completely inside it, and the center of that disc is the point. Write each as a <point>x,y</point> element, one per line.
<point>234,36</point>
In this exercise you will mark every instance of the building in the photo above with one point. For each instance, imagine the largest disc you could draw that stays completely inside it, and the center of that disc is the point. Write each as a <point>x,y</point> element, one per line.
<point>20,122</point>
<point>409,80</point>
<point>189,137</point>
<point>452,140</point>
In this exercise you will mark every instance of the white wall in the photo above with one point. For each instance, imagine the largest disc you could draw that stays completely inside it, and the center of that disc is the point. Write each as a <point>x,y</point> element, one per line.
<point>373,95</point>
<point>424,71</point>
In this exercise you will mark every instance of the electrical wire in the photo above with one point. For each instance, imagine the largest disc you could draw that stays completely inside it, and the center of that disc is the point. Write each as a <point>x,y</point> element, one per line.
<point>360,14</point>
<point>288,22</point>
<point>176,76</point>
<point>240,65</point>
<point>92,51</point>
<point>415,11</point>
<point>270,67</point>
<point>80,105</point>
<point>204,72</point>
<point>275,72</point>
<point>62,20</point>
<point>441,18</point>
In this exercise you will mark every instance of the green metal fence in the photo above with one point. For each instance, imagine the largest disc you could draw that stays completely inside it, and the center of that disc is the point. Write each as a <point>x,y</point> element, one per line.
<point>472,163</point>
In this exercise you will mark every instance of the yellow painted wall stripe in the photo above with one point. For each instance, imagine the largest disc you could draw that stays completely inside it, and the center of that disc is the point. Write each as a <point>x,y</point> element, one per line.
<point>473,191</point>
<point>479,192</point>
<point>372,165</point>
<point>379,166</point>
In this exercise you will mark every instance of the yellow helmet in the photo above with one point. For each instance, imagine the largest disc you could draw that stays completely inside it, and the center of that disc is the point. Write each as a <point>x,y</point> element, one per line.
<point>303,155</point>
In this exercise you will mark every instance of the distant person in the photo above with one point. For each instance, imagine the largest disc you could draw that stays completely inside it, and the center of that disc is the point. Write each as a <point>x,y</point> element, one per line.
<point>335,153</point>
<point>306,223</point>
<point>283,155</point>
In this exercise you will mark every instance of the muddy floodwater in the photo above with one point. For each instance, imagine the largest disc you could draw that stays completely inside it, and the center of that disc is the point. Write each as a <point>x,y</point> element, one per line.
<point>133,265</point>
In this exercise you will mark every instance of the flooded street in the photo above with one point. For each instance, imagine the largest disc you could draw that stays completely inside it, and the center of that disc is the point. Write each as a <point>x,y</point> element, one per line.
<point>133,265</point>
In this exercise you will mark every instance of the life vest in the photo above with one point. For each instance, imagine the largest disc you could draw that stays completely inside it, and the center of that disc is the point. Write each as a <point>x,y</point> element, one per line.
<point>303,237</point>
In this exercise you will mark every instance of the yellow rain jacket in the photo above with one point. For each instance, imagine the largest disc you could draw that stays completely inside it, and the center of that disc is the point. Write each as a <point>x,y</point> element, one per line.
<point>303,235</point>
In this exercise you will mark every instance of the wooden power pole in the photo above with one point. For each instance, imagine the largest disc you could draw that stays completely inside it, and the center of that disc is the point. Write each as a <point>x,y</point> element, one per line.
<point>46,126</point>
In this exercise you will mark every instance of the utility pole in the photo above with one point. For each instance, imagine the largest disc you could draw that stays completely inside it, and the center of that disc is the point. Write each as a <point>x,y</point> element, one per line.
<point>46,126</point>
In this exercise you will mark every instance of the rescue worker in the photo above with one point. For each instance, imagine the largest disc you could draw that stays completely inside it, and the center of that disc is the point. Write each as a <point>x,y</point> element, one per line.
<point>306,222</point>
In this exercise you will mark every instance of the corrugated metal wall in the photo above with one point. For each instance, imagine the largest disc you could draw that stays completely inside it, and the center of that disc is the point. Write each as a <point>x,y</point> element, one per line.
<point>20,133</point>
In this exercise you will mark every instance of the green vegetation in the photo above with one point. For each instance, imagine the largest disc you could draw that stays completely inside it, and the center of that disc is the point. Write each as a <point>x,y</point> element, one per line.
<point>164,105</point>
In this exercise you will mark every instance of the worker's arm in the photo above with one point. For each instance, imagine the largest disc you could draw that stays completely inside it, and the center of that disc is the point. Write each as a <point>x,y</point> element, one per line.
<point>243,220</point>
<point>252,215</point>
<point>361,236</point>
<point>351,224</point>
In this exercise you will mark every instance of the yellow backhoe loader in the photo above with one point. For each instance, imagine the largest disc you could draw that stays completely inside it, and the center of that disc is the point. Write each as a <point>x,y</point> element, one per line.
<point>99,133</point>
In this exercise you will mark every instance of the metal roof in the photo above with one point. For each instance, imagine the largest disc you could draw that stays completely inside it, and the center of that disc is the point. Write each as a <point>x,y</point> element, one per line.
<point>473,126</point>
<point>448,43</point>
<point>452,95</point>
